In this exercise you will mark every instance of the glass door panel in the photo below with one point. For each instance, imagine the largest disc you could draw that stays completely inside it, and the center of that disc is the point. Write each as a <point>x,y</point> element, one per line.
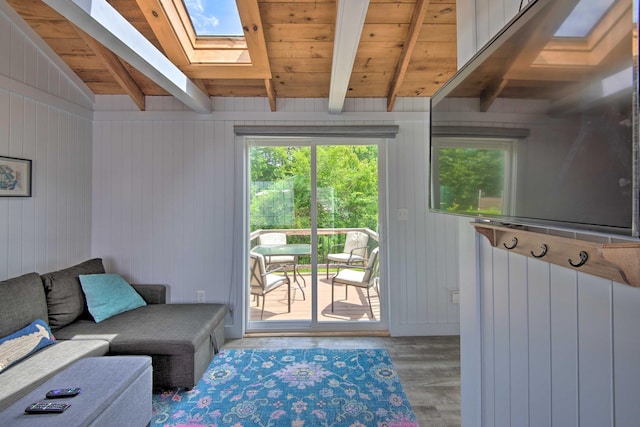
<point>347,212</point>
<point>280,224</point>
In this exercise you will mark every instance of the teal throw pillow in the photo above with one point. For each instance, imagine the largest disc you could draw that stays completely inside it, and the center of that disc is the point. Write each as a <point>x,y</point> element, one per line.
<point>108,295</point>
<point>22,343</point>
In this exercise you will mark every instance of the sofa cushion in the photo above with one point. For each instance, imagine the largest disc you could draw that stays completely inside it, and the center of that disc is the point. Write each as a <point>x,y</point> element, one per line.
<point>22,300</point>
<point>22,343</point>
<point>108,295</point>
<point>36,369</point>
<point>152,329</point>
<point>65,299</point>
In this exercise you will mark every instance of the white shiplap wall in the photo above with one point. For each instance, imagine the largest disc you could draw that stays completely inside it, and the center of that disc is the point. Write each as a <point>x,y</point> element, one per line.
<point>46,117</point>
<point>167,199</point>
<point>542,345</point>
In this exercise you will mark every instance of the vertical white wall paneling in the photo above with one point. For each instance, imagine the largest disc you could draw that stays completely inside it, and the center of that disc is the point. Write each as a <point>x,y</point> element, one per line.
<point>51,229</point>
<point>487,333</point>
<point>127,188</point>
<point>465,12</point>
<point>53,185</point>
<point>144,192</point>
<point>564,347</point>
<point>16,60</point>
<point>5,44</point>
<point>4,202</point>
<point>470,323</point>
<point>519,340</point>
<point>14,214</point>
<point>595,363</point>
<point>28,231</point>
<point>40,185</point>
<point>626,347</point>
<point>137,196</point>
<point>64,188</point>
<point>539,346</point>
<point>502,336</point>
<point>482,22</point>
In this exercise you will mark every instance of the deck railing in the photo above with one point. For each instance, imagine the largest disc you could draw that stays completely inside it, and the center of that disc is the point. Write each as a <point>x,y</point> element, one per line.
<point>325,235</point>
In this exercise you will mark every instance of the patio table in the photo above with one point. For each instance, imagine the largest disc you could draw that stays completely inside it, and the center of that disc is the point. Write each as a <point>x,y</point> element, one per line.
<point>293,249</point>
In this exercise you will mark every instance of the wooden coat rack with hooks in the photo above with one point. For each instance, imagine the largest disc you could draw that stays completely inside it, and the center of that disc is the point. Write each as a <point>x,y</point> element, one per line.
<point>619,262</point>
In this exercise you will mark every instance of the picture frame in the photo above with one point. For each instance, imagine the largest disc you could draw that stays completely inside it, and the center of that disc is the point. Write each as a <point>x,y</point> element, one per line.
<point>15,177</point>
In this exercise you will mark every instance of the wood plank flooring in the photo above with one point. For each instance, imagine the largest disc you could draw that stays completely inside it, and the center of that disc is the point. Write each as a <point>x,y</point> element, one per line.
<point>354,308</point>
<point>428,367</point>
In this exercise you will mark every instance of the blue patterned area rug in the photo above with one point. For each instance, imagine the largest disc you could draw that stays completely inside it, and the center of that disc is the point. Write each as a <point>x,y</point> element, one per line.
<point>310,387</point>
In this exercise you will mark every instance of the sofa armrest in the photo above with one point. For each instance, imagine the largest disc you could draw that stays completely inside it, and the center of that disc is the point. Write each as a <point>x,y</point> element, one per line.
<point>152,294</point>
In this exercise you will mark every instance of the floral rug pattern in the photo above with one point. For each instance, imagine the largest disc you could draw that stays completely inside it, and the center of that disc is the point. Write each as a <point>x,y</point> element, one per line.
<point>310,387</point>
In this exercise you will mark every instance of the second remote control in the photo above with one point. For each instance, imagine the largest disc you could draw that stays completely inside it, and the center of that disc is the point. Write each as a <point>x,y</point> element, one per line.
<point>46,408</point>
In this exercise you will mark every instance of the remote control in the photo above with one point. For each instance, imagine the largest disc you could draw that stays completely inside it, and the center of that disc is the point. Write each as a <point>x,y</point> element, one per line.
<point>46,408</point>
<point>62,392</point>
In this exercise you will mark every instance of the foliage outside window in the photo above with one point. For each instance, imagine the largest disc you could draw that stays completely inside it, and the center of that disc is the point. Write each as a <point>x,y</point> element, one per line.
<point>347,181</point>
<point>472,176</point>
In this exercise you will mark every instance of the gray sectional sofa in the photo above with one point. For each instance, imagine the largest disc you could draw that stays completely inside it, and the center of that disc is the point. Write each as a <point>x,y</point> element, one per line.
<point>181,339</point>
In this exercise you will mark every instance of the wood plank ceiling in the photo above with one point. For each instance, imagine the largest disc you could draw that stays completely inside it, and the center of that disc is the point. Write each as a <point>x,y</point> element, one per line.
<point>407,49</point>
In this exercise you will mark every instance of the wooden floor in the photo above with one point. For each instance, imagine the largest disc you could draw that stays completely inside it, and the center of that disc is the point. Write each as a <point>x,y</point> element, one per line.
<point>428,367</point>
<point>355,307</point>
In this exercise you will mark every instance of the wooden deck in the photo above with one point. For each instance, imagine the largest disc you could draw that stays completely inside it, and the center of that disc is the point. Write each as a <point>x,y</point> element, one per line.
<point>354,308</point>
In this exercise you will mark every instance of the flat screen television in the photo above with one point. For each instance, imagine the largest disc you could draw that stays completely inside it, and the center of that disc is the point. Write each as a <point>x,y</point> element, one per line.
<point>541,125</point>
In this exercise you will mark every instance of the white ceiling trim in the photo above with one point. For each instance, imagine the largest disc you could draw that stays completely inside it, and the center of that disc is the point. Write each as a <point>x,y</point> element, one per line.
<point>349,23</point>
<point>102,22</point>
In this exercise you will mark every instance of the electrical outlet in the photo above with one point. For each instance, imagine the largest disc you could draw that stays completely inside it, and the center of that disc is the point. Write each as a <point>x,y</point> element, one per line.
<point>200,296</point>
<point>455,296</point>
<point>402,214</point>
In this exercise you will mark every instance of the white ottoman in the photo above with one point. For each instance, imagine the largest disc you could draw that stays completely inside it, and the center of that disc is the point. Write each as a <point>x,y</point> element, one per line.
<point>116,391</point>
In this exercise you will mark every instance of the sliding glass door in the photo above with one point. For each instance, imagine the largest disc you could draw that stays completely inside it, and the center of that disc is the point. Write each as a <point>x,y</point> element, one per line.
<point>313,214</point>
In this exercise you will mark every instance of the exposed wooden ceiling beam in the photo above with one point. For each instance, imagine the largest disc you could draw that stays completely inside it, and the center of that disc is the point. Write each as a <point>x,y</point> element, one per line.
<point>201,84</point>
<point>254,34</point>
<point>102,22</point>
<point>417,20</point>
<point>116,68</point>
<point>350,19</point>
<point>491,93</point>
<point>271,93</point>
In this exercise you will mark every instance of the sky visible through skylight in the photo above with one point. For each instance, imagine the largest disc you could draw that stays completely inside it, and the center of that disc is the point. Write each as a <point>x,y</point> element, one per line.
<point>583,18</point>
<point>214,17</point>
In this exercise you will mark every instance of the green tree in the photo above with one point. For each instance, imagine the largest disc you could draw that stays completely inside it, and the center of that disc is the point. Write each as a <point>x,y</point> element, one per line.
<point>466,171</point>
<point>347,179</point>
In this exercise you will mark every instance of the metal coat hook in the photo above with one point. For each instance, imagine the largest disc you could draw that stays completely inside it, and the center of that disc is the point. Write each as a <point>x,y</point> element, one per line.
<point>584,256</point>
<point>544,248</point>
<point>514,242</point>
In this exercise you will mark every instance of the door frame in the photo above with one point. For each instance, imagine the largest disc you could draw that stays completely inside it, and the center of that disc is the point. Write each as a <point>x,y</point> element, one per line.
<point>311,326</point>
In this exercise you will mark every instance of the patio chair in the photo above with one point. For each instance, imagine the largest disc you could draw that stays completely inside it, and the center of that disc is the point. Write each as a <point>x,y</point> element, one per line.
<point>360,277</point>
<point>353,252</point>
<point>267,239</point>
<point>261,282</point>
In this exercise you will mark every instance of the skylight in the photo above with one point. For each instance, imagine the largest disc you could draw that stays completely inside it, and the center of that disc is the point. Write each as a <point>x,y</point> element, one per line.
<point>583,18</point>
<point>217,18</point>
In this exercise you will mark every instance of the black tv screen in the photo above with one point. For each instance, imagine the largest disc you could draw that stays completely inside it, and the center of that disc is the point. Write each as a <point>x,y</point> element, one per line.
<point>541,125</point>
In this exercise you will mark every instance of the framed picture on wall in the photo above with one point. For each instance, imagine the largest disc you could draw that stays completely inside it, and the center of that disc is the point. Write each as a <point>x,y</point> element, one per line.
<point>15,177</point>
